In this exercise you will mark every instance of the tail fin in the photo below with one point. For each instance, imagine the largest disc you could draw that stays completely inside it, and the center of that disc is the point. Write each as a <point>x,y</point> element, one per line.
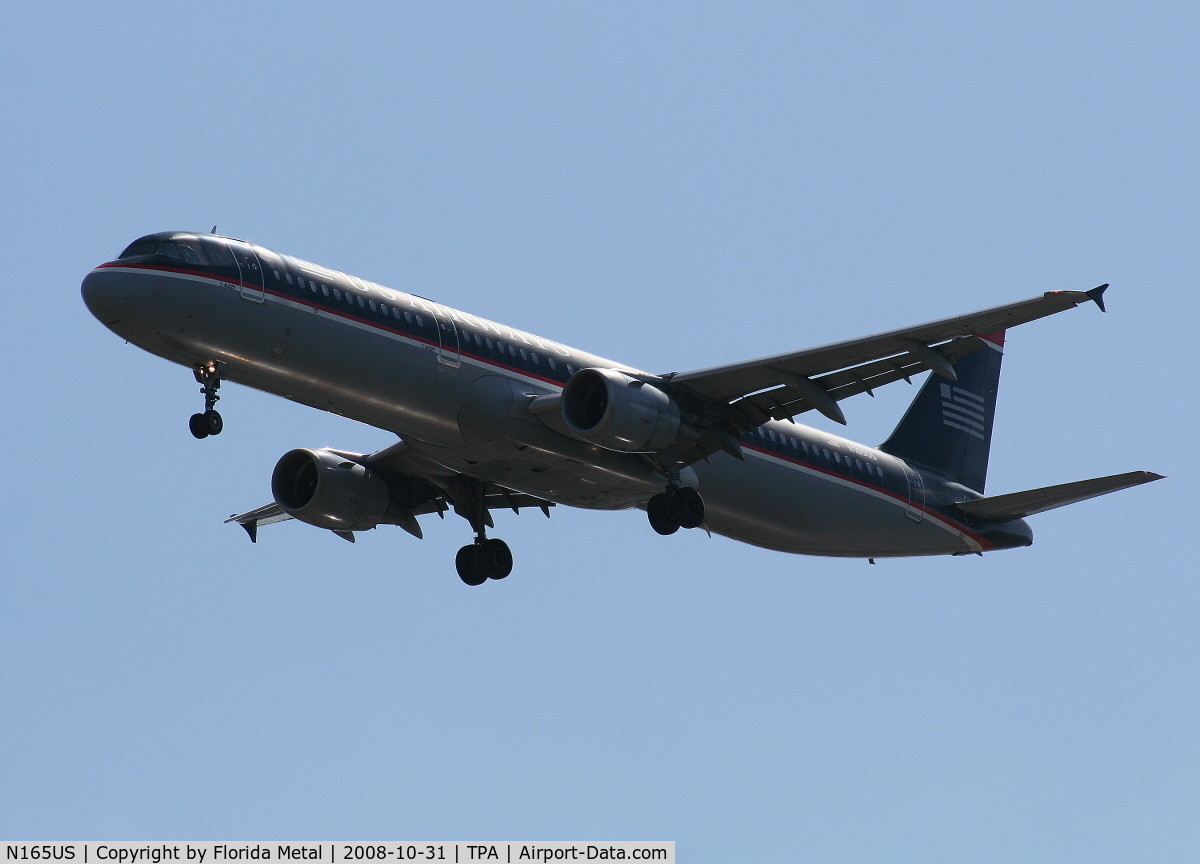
<point>948,427</point>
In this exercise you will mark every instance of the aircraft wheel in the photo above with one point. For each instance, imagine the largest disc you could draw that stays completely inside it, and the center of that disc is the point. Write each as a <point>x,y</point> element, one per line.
<point>198,423</point>
<point>495,558</point>
<point>687,507</point>
<point>214,422</point>
<point>661,514</point>
<point>467,564</point>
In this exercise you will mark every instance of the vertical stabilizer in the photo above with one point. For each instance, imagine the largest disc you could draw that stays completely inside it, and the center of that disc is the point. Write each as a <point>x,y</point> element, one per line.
<point>948,427</point>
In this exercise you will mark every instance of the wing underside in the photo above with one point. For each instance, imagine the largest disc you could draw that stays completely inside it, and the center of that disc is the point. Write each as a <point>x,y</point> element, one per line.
<point>782,385</point>
<point>738,397</point>
<point>471,498</point>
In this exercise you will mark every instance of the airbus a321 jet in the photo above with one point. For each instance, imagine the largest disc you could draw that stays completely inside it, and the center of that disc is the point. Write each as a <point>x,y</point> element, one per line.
<point>490,417</point>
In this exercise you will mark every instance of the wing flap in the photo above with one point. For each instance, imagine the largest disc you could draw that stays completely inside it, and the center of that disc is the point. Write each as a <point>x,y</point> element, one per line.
<point>1018,505</point>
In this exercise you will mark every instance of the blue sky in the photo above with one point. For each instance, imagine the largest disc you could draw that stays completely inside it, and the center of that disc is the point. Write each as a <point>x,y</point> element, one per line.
<point>674,186</point>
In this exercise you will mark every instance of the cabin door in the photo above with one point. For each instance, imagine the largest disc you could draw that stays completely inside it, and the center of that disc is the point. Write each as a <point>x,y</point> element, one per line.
<point>449,351</point>
<point>916,495</point>
<point>251,283</point>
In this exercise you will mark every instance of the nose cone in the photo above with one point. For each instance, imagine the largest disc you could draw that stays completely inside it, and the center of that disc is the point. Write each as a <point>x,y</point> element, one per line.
<point>106,296</point>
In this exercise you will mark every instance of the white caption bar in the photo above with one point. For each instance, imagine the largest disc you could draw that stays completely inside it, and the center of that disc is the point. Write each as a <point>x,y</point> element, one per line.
<point>341,852</point>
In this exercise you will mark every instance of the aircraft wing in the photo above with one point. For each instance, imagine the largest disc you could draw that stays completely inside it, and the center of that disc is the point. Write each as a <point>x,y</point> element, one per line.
<point>444,490</point>
<point>268,514</point>
<point>784,385</point>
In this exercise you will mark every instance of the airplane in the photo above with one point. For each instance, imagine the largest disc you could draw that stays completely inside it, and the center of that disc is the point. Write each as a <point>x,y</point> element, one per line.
<point>489,417</point>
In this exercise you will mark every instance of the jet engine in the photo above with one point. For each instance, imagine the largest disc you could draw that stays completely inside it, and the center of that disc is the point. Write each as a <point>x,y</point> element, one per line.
<point>619,412</point>
<point>329,491</point>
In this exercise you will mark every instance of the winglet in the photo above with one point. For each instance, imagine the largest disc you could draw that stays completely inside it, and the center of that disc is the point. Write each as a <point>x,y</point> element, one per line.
<point>1097,295</point>
<point>251,529</point>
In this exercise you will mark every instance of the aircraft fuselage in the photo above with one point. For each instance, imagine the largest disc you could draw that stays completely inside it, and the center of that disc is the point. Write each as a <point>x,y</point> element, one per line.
<point>457,388</point>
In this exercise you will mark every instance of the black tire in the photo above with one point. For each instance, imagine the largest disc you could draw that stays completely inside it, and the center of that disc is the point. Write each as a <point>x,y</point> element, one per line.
<point>687,507</point>
<point>214,421</point>
<point>495,558</point>
<point>467,564</point>
<point>199,425</point>
<point>662,519</point>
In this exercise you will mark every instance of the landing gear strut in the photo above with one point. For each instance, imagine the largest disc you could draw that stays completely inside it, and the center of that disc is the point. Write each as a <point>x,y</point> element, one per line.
<point>485,558</point>
<point>208,376</point>
<point>678,507</point>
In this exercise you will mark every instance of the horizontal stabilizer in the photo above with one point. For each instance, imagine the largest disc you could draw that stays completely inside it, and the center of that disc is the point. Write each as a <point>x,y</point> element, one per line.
<point>1018,505</point>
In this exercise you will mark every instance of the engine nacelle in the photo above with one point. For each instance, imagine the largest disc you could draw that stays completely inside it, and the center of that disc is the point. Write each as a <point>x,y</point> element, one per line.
<point>329,491</point>
<point>618,412</point>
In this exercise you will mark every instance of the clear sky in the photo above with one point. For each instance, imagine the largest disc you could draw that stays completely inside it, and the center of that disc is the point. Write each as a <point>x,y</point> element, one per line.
<point>673,186</point>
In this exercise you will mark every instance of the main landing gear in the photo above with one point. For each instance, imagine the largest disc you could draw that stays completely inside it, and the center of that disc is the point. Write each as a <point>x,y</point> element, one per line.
<point>208,376</point>
<point>678,507</point>
<point>484,559</point>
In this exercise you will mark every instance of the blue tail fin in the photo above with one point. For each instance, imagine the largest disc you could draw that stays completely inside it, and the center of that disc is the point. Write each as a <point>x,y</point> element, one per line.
<point>948,427</point>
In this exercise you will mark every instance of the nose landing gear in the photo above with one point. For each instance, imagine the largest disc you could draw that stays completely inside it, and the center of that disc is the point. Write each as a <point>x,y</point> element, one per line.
<point>678,507</point>
<point>208,376</point>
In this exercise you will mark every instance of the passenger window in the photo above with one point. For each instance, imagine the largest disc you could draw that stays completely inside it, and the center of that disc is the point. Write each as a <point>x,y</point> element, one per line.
<point>288,276</point>
<point>570,369</point>
<point>837,457</point>
<point>512,351</point>
<point>371,303</point>
<point>362,304</point>
<point>324,288</point>
<point>408,317</point>
<point>277,276</point>
<point>858,464</point>
<point>396,313</point>
<point>524,356</point>
<point>553,365</point>
<point>489,342</point>
<point>825,453</point>
<point>336,293</point>
<point>382,307</point>
<point>420,321</point>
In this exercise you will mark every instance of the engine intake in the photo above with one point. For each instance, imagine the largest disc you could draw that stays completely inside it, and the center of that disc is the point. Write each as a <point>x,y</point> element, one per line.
<point>619,412</point>
<point>329,491</point>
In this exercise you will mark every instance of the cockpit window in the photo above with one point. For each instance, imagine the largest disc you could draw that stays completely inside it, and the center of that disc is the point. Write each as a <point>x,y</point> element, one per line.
<point>140,247</point>
<point>170,250</point>
<point>189,254</point>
